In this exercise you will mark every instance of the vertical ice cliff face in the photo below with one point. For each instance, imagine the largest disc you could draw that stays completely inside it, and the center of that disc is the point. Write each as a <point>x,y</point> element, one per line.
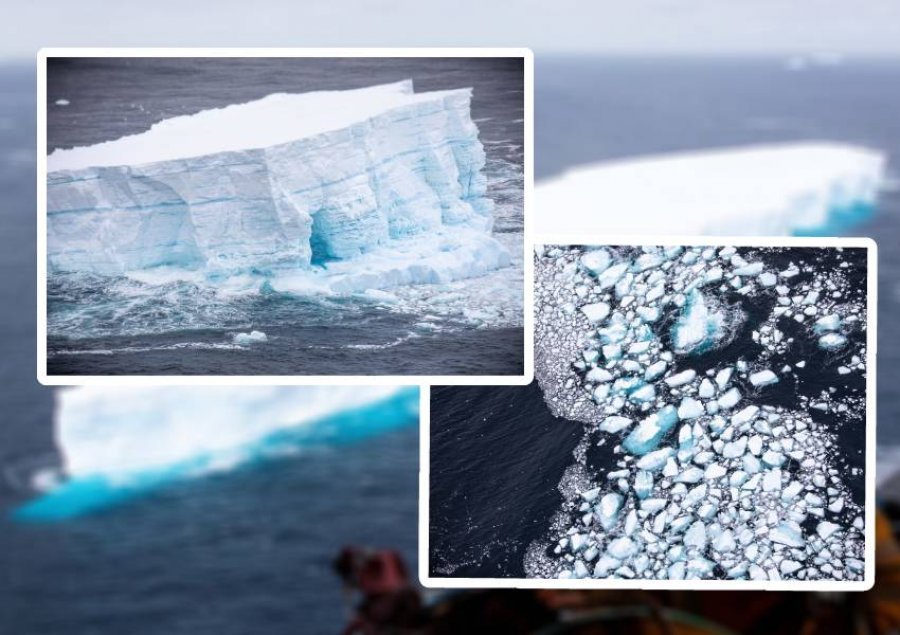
<point>286,182</point>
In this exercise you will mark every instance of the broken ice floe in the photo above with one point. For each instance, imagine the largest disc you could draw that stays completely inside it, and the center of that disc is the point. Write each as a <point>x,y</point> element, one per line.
<point>711,477</point>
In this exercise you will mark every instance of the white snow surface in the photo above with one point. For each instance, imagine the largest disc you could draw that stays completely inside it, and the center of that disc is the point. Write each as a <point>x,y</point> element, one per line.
<point>778,189</point>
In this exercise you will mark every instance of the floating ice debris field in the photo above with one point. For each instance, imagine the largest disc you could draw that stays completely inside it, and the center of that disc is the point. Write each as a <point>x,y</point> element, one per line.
<point>115,444</point>
<point>726,455</point>
<point>783,189</point>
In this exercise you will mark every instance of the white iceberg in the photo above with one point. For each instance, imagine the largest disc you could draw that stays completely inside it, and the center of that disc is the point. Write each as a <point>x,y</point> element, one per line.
<point>334,191</point>
<point>779,189</point>
<point>128,431</point>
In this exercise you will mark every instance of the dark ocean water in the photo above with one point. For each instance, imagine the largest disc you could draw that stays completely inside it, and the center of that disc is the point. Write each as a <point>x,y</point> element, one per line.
<point>112,327</point>
<point>199,557</point>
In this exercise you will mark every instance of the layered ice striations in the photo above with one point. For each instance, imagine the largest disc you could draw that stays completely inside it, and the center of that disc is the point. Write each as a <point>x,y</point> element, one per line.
<point>812,188</point>
<point>707,478</point>
<point>381,178</point>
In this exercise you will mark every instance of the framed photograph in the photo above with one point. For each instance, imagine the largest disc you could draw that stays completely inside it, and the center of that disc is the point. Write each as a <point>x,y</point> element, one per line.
<point>702,417</point>
<point>284,215</point>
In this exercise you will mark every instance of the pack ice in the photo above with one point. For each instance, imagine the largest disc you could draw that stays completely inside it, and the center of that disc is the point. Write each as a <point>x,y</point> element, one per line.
<point>779,189</point>
<point>712,476</point>
<point>382,184</point>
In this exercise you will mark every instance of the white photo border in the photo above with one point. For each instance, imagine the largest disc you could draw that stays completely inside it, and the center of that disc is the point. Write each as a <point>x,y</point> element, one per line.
<point>242,380</point>
<point>700,585</point>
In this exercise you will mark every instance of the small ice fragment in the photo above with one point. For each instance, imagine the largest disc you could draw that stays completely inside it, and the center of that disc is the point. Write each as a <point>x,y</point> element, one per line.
<point>595,312</point>
<point>763,378</point>
<point>679,379</point>
<point>831,341</point>
<point>244,339</point>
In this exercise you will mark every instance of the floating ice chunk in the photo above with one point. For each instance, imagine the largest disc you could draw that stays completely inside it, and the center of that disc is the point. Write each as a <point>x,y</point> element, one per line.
<point>608,510</point>
<point>581,571</point>
<point>611,276</point>
<point>730,399</point>
<point>696,536</point>
<point>714,471</point>
<point>830,322</point>
<point>735,449</point>
<point>831,341</point>
<point>622,548</point>
<point>772,481</point>
<point>598,375</point>
<point>690,409</point>
<point>694,496</point>
<point>643,484</point>
<point>679,379</point>
<point>253,337</point>
<point>791,491</point>
<point>751,269</point>
<point>648,314</point>
<point>650,431</point>
<point>724,542</point>
<point>656,460</point>
<point>767,279</point>
<point>723,377</point>
<point>787,533</point>
<point>825,529</point>
<point>656,369</point>
<point>706,390</point>
<point>646,261</point>
<point>595,312</point>
<point>763,378</point>
<point>644,393</point>
<point>700,327</point>
<point>62,102</point>
<point>596,261</point>
<point>615,424</point>
<point>690,475</point>
<point>744,415</point>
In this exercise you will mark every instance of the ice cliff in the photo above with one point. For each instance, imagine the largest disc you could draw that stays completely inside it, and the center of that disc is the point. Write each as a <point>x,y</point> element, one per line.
<point>783,189</point>
<point>284,183</point>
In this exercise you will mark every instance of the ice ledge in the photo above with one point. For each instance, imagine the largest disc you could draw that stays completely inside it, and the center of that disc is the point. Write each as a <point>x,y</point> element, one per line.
<point>779,189</point>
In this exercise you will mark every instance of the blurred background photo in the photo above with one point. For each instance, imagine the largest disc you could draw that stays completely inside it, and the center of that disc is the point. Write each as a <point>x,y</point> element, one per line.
<point>323,538</point>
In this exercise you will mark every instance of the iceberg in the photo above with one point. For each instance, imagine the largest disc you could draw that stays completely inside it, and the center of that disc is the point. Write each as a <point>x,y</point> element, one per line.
<point>337,191</point>
<point>115,443</point>
<point>811,188</point>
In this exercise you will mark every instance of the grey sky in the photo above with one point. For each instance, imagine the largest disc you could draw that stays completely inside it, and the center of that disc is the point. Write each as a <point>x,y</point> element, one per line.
<point>855,27</point>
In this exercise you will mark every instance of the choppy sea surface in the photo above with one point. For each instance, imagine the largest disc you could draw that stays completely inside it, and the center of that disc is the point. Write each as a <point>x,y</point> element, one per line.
<point>104,325</point>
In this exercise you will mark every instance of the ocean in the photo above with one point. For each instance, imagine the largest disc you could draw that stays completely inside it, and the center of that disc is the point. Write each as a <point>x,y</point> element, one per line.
<point>199,558</point>
<point>102,325</point>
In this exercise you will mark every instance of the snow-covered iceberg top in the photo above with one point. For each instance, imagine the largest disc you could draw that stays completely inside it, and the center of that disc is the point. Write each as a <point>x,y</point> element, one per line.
<point>779,189</point>
<point>284,183</point>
